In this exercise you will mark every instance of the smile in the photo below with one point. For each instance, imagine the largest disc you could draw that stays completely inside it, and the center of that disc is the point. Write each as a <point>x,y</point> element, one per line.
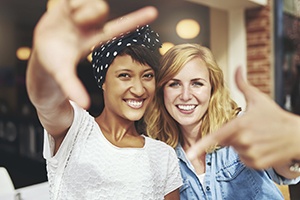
<point>186,107</point>
<point>135,103</point>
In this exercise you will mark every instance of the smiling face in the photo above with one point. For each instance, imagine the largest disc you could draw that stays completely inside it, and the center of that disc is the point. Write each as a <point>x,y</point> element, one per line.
<point>187,94</point>
<point>128,88</point>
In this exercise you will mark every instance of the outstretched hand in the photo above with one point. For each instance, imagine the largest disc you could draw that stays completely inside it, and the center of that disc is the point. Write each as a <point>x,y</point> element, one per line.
<point>66,34</point>
<point>263,136</point>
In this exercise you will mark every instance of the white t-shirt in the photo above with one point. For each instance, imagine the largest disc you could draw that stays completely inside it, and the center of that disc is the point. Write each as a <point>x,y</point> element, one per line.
<point>201,178</point>
<point>88,166</point>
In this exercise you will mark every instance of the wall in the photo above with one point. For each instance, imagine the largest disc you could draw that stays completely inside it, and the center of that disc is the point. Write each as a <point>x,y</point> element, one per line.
<point>228,44</point>
<point>260,48</point>
<point>7,62</point>
<point>219,38</point>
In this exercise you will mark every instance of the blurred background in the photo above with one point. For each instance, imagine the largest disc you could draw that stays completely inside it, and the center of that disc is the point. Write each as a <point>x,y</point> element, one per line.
<point>262,36</point>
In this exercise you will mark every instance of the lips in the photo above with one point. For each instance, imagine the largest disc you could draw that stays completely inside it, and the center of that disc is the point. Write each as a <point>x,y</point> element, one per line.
<point>135,103</point>
<point>186,107</point>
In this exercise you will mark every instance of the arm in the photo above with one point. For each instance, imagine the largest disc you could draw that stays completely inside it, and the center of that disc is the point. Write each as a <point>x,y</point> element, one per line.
<point>173,195</point>
<point>63,36</point>
<point>53,108</point>
<point>265,136</point>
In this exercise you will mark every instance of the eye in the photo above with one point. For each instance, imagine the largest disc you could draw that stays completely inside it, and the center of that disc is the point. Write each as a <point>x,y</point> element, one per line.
<point>197,83</point>
<point>124,75</point>
<point>149,76</point>
<point>174,84</point>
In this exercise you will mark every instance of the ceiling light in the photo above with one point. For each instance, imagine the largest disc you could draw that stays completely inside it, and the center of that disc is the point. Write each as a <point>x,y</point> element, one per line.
<point>165,47</point>
<point>23,53</point>
<point>188,28</point>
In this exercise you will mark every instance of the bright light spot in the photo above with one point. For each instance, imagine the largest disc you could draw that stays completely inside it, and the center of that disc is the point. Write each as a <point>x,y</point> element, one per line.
<point>188,28</point>
<point>23,53</point>
<point>165,47</point>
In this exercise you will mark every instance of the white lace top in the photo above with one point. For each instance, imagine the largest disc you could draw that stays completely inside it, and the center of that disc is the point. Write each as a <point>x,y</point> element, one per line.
<point>88,166</point>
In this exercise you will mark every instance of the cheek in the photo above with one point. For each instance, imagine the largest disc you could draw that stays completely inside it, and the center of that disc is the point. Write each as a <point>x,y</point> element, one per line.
<point>169,98</point>
<point>204,95</point>
<point>150,87</point>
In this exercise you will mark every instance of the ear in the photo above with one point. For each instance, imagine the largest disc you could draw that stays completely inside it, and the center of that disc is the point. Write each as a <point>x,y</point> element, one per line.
<point>103,86</point>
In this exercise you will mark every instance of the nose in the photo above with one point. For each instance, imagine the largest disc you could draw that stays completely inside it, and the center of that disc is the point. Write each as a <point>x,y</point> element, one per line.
<point>186,93</point>
<point>137,87</point>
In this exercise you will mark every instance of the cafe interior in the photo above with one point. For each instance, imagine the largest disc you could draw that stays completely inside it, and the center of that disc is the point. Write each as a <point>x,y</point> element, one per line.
<point>237,31</point>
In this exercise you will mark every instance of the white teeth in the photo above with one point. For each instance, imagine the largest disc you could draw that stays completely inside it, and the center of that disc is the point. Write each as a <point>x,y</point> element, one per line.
<point>186,107</point>
<point>135,104</point>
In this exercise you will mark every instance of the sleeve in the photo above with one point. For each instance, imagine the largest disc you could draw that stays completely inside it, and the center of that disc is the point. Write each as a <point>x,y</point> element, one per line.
<point>174,179</point>
<point>68,141</point>
<point>280,179</point>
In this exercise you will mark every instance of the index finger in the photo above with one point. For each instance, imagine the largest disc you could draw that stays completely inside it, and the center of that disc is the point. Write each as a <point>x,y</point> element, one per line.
<point>125,23</point>
<point>222,136</point>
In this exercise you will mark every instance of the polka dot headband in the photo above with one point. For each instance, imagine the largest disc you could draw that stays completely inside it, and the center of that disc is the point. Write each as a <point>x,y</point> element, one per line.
<point>104,55</point>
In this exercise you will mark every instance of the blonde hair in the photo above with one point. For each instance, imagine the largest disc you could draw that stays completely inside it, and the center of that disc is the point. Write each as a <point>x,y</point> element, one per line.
<point>159,124</point>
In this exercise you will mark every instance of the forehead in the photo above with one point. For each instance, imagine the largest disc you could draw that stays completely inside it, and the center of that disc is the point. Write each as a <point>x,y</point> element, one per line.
<point>195,68</point>
<point>125,62</point>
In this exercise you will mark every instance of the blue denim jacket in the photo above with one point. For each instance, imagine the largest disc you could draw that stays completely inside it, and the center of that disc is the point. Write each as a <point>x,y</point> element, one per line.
<point>226,177</point>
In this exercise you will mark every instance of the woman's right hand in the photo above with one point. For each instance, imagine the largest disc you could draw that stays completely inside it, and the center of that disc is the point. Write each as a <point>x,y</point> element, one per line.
<point>66,33</point>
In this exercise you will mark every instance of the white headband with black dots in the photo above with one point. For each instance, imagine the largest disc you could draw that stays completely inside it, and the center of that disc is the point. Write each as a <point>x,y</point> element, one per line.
<point>104,55</point>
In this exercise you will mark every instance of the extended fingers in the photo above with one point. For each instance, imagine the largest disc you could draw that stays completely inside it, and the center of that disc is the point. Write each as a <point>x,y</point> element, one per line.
<point>248,90</point>
<point>130,21</point>
<point>89,13</point>
<point>124,24</point>
<point>224,136</point>
<point>262,156</point>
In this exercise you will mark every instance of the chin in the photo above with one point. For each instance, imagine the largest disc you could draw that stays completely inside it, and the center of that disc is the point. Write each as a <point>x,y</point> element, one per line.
<point>185,122</point>
<point>133,119</point>
<point>134,116</point>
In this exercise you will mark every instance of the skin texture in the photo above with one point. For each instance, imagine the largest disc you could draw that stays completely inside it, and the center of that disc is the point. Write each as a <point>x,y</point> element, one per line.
<point>135,83</point>
<point>189,90</point>
<point>128,89</point>
<point>264,136</point>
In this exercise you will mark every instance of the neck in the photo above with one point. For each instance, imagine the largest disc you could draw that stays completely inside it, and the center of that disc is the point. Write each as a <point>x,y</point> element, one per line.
<point>190,135</point>
<point>118,131</point>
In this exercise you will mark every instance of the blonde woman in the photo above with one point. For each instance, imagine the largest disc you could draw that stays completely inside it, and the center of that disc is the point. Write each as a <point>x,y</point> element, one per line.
<point>192,101</point>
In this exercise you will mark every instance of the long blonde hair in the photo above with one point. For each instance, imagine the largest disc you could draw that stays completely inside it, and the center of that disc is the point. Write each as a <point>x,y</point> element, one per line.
<point>159,124</point>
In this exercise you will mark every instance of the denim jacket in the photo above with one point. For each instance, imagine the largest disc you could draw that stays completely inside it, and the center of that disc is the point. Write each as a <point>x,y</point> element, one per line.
<point>226,177</point>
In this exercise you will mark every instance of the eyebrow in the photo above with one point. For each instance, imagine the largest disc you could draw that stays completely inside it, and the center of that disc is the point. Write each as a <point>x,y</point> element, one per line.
<point>194,79</point>
<point>129,70</point>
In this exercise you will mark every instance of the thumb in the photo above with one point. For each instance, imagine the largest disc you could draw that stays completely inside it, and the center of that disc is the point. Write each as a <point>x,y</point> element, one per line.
<point>73,88</point>
<point>78,95</point>
<point>247,90</point>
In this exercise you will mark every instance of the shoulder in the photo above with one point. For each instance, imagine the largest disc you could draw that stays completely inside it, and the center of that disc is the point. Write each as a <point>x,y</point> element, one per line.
<point>77,109</point>
<point>157,143</point>
<point>164,155</point>
<point>159,146</point>
<point>80,114</point>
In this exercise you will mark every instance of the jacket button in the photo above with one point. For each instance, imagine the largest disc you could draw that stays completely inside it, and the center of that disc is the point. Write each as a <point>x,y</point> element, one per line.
<point>207,188</point>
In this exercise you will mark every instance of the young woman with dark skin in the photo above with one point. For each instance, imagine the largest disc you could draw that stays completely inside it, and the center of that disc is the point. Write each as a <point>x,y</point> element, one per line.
<point>103,157</point>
